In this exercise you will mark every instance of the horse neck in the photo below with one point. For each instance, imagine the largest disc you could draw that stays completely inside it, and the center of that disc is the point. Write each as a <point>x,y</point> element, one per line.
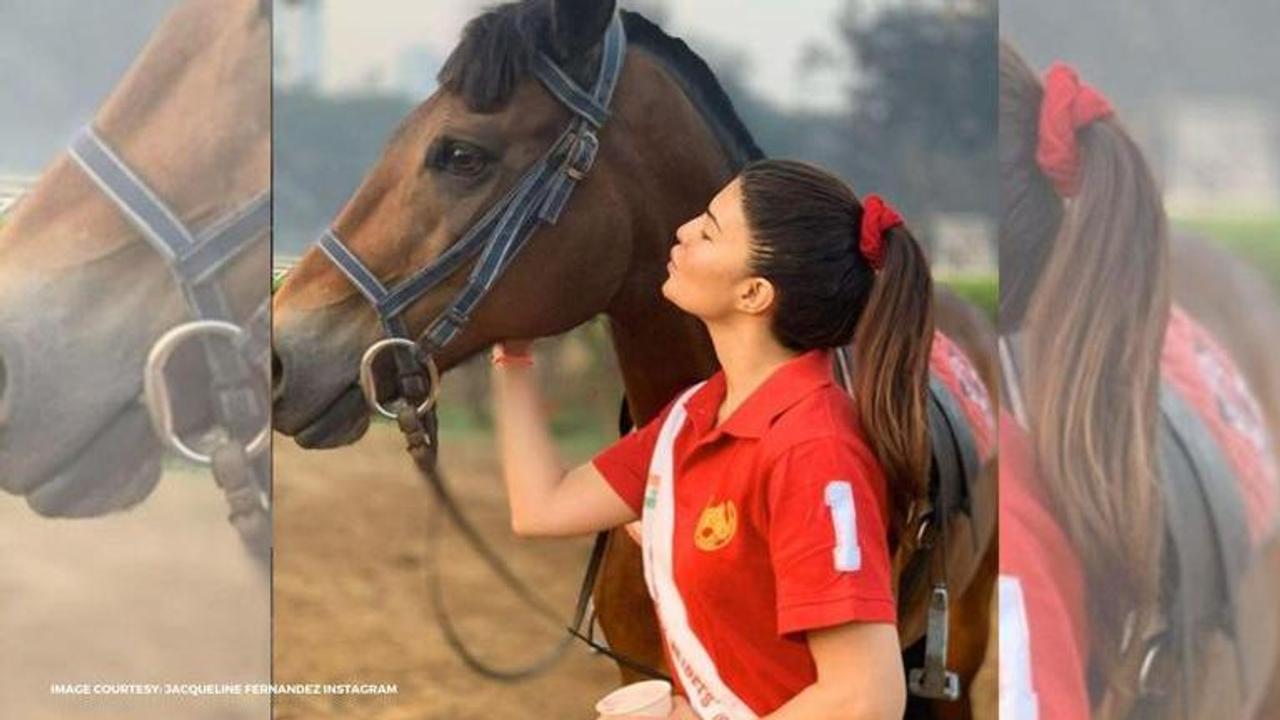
<point>660,348</point>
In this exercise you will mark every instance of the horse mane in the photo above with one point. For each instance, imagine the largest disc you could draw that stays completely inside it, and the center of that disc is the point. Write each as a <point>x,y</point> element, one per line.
<point>701,86</point>
<point>497,49</point>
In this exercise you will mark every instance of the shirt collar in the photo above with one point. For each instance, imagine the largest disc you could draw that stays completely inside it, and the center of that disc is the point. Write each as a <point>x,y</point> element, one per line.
<point>787,385</point>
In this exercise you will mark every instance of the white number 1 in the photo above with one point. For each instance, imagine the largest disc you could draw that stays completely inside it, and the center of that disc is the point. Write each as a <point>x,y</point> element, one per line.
<point>839,496</point>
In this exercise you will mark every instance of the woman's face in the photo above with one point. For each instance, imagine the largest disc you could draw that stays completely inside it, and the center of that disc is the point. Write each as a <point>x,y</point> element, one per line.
<point>709,275</point>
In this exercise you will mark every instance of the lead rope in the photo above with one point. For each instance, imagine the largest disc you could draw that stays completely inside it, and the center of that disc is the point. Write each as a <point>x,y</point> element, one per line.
<point>585,608</point>
<point>420,433</point>
<point>584,612</point>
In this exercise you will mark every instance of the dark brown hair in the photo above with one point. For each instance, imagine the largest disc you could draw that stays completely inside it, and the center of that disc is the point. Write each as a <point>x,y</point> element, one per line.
<point>805,229</point>
<point>1086,282</point>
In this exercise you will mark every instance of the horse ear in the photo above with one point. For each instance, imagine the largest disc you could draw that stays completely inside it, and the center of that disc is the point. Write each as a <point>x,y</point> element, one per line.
<point>577,25</point>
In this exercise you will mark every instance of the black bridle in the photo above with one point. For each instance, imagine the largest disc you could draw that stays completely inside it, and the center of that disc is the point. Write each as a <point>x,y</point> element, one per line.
<point>538,197</point>
<point>237,353</point>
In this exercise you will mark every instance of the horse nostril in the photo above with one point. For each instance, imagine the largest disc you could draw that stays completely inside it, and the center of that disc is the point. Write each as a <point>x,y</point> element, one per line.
<point>277,376</point>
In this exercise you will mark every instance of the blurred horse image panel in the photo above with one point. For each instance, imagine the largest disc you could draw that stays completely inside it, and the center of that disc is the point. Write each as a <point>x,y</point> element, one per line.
<point>134,427</point>
<point>1140,418</point>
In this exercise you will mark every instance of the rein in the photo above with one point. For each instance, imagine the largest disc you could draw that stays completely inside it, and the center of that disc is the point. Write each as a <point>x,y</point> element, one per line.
<point>237,354</point>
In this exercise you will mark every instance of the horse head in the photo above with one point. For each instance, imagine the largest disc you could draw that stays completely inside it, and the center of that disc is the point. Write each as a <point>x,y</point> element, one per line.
<point>83,296</point>
<point>453,160</point>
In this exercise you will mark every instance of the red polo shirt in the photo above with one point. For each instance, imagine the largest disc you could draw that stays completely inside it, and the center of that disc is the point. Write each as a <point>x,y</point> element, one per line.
<point>758,559</point>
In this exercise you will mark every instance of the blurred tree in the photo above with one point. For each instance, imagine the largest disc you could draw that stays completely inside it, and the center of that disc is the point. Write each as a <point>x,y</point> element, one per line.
<point>61,59</point>
<point>923,120</point>
<point>323,147</point>
<point>1140,49</point>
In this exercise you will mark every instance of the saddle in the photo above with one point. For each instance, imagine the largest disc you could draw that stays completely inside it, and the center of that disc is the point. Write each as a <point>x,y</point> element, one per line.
<point>953,472</point>
<point>1207,550</point>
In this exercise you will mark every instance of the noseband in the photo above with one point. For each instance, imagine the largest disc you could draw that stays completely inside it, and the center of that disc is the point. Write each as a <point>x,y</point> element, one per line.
<point>236,361</point>
<point>539,196</point>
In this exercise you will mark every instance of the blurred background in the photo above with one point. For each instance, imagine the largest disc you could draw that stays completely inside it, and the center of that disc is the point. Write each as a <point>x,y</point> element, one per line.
<point>896,96</point>
<point>1196,85</point>
<point>162,593</point>
<point>56,74</point>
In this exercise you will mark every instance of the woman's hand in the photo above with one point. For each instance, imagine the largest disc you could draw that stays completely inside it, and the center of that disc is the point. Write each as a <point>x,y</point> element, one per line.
<point>517,347</point>
<point>512,353</point>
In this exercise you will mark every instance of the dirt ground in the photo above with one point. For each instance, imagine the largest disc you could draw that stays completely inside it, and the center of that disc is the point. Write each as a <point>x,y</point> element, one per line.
<point>351,603</point>
<point>163,593</point>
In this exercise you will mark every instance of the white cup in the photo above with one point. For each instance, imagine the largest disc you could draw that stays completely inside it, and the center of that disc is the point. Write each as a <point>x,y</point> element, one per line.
<point>648,699</point>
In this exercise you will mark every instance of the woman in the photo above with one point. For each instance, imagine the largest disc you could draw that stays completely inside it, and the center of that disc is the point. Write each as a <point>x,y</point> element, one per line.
<point>772,495</point>
<point>1092,336</point>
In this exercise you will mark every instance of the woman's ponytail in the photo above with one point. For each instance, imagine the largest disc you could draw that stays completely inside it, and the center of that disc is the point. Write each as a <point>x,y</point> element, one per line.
<point>848,270</point>
<point>1085,279</point>
<point>891,369</point>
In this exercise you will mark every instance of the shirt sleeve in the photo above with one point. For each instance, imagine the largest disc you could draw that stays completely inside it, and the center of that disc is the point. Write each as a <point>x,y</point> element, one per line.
<point>828,540</point>
<point>1043,643</point>
<point>625,463</point>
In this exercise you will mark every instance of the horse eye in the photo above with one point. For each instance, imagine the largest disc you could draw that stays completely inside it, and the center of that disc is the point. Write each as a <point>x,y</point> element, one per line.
<point>462,159</point>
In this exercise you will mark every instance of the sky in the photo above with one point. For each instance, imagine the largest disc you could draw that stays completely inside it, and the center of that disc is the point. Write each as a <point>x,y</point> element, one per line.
<point>365,39</point>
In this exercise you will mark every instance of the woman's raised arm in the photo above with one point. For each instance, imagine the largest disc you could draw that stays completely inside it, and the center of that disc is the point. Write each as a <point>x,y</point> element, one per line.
<point>544,499</point>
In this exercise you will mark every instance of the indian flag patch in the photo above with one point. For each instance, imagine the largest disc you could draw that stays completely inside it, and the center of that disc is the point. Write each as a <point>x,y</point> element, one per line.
<point>651,491</point>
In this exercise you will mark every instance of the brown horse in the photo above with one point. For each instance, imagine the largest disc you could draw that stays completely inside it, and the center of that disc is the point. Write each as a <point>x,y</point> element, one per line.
<point>671,142</point>
<point>83,297</point>
<point>1085,283</point>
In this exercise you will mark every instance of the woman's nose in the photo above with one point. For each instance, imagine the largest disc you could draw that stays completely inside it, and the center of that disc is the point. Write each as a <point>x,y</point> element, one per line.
<point>685,232</point>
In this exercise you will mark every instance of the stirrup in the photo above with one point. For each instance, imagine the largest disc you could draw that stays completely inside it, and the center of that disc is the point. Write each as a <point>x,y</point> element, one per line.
<point>934,681</point>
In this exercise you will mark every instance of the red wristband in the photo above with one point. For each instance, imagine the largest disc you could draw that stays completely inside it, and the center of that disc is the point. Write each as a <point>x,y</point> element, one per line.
<point>500,357</point>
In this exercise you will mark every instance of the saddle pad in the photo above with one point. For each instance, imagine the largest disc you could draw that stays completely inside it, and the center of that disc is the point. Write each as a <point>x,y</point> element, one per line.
<point>949,365</point>
<point>1199,370</point>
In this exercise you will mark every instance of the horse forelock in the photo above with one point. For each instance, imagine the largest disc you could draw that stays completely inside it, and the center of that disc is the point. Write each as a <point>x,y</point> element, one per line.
<point>496,53</point>
<point>497,48</point>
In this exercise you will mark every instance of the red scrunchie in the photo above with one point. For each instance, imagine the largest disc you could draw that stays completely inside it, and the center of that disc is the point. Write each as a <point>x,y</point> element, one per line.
<point>1068,105</point>
<point>877,217</point>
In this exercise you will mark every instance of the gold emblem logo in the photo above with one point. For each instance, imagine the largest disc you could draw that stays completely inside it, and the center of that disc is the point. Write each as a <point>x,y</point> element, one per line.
<point>716,526</point>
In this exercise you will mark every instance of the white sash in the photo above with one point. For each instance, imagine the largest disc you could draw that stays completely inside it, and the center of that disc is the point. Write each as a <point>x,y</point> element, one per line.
<point>710,697</point>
